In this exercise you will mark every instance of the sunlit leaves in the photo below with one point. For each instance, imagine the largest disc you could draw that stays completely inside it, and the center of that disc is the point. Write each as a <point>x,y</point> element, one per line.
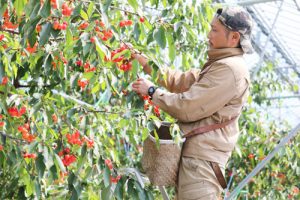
<point>160,37</point>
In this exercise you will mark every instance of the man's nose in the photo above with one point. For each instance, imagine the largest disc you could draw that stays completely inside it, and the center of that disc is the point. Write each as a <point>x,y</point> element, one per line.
<point>209,35</point>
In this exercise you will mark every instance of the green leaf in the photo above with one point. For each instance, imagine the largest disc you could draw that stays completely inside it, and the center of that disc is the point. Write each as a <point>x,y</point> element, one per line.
<point>77,10</point>
<point>150,37</point>
<point>159,35</point>
<point>238,150</point>
<point>45,33</point>
<point>131,190</point>
<point>32,37</point>
<point>177,25</point>
<point>60,163</point>
<point>133,4</point>
<point>102,50</point>
<point>71,180</point>
<point>91,9</point>
<point>29,30</point>
<point>69,37</point>
<point>3,6</point>
<point>37,189</point>
<point>140,190</point>
<point>84,15</point>
<point>19,6</point>
<point>46,10</point>
<point>106,5</point>
<point>40,166</point>
<point>106,193</point>
<point>171,45</point>
<point>106,176</point>
<point>35,11</point>
<point>119,190</point>
<point>96,88</point>
<point>135,68</point>
<point>74,195</point>
<point>87,49</point>
<point>48,64</point>
<point>136,31</point>
<point>35,108</point>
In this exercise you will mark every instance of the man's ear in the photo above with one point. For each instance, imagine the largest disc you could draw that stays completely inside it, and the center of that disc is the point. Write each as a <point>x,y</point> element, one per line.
<point>236,36</point>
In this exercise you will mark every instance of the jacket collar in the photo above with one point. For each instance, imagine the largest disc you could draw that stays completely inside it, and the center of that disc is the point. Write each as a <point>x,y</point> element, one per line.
<point>217,54</point>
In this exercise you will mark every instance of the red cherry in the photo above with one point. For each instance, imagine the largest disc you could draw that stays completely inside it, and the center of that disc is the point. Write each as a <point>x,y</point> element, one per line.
<point>142,19</point>
<point>38,29</point>
<point>64,6</point>
<point>79,62</point>
<point>122,23</point>
<point>128,22</point>
<point>4,80</point>
<point>1,37</point>
<point>63,26</point>
<point>93,39</point>
<point>56,25</point>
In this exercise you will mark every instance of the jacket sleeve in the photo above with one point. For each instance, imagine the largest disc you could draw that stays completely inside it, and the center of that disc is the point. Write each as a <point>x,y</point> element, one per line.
<point>205,97</point>
<point>176,81</point>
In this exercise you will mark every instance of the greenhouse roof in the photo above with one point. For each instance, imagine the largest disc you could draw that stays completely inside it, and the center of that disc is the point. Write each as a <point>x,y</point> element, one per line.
<point>276,39</point>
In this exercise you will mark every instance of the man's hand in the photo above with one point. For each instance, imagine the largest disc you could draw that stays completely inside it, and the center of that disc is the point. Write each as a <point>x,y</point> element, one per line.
<point>141,86</point>
<point>141,58</point>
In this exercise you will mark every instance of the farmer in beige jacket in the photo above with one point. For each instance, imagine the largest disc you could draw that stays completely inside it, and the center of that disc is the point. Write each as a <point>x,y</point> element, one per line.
<point>197,98</point>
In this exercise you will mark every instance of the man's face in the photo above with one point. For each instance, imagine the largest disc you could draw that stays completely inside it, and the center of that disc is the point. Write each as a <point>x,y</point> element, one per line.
<point>218,35</point>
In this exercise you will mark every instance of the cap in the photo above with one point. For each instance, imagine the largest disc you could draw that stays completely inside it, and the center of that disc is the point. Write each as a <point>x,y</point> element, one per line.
<point>238,19</point>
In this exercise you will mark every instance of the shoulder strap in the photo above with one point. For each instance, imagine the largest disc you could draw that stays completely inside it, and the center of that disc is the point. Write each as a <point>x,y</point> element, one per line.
<point>208,128</point>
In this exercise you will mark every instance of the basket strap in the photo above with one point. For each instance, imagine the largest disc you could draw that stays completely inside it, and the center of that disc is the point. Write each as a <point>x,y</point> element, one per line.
<point>218,174</point>
<point>204,129</point>
<point>208,128</point>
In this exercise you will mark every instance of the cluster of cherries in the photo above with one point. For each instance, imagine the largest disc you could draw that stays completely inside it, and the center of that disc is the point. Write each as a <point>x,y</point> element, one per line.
<point>26,135</point>
<point>74,139</point>
<point>14,112</point>
<point>66,10</point>
<point>82,83</point>
<point>7,24</point>
<point>123,64</point>
<point>67,158</point>
<point>86,66</point>
<point>109,164</point>
<point>148,103</point>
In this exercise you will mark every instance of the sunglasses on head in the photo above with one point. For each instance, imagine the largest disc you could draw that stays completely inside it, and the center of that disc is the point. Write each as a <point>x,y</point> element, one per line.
<point>219,11</point>
<point>222,19</point>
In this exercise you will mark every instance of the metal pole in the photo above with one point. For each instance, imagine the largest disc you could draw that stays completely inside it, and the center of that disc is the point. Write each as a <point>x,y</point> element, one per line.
<point>284,97</point>
<point>267,41</point>
<point>163,193</point>
<point>251,2</point>
<point>263,162</point>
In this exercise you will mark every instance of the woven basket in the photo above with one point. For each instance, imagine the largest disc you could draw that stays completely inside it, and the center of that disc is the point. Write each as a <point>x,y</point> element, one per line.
<point>161,163</point>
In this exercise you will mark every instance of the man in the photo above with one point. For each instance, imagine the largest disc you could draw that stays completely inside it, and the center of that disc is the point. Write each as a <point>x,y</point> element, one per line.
<point>214,95</point>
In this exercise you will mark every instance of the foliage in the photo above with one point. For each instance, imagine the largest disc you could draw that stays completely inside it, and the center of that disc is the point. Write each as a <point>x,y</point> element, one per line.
<point>260,133</point>
<point>70,125</point>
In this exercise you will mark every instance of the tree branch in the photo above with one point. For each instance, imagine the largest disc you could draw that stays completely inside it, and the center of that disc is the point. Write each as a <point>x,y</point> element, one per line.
<point>10,31</point>
<point>11,137</point>
<point>126,11</point>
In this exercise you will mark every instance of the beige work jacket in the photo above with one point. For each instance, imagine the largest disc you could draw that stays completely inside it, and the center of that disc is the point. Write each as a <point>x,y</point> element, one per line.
<point>216,97</point>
